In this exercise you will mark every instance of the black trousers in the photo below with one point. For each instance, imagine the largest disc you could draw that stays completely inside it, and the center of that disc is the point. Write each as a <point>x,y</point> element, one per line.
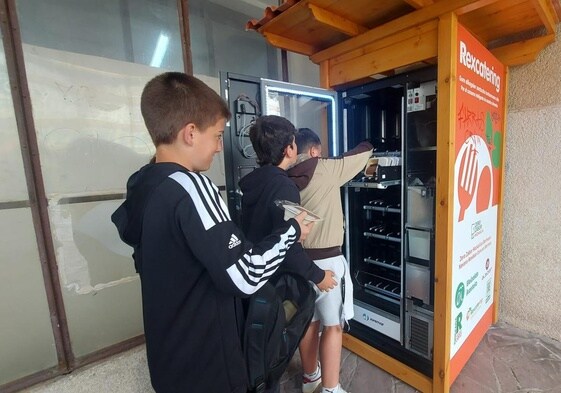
<point>274,389</point>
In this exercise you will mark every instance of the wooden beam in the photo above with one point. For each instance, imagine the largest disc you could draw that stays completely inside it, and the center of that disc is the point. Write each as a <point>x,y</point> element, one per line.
<point>412,19</point>
<point>389,364</point>
<point>557,8</point>
<point>390,53</point>
<point>419,3</point>
<point>336,22</point>
<point>522,52</point>
<point>324,75</point>
<point>285,20</point>
<point>288,44</point>
<point>387,41</point>
<point>546,14</point>
<point>444,236</point>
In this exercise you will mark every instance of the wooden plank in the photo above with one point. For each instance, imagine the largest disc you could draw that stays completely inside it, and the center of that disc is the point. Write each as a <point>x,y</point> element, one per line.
<point>419,3</point>
<point>399,370</point>
<point>522,52</point>
<point>557,8</point>
<point>324,74</point>
<point>546,14</point>
<point>336,22</point>
<point>287,20</point>
<point>445,158</point>
<point>387,41</point>
<point>412,19</point>
<point>288,44</point>
<point>408,51</point>
<point>502,19</point>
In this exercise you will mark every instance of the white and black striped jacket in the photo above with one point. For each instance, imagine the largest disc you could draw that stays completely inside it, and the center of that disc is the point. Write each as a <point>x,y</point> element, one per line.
<point>194,265</point>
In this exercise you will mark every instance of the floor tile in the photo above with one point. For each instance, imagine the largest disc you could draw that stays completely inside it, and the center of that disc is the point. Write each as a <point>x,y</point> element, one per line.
<point>508,360</point>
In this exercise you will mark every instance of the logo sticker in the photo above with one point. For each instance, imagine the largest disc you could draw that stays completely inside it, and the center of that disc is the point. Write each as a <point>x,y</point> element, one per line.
<point>234,241</point>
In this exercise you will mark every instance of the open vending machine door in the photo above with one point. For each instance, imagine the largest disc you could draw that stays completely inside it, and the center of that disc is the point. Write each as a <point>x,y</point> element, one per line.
<point>250,97</point>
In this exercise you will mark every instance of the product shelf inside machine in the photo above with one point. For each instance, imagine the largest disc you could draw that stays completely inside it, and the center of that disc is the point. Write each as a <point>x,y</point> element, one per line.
<point>379,285</point>
<point>365,183</point>
<point>390,264</point>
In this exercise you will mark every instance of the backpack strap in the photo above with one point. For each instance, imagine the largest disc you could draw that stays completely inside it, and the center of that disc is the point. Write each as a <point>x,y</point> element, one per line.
<point>259,309</point>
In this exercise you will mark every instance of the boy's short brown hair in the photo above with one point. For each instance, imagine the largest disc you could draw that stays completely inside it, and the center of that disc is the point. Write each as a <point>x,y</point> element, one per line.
<point>172,100</point>
<point>306,138</point>
<point>270,135</point>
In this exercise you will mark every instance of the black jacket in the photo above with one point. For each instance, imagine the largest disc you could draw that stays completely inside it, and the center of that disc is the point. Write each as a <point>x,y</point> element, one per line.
<point>194,265</point>
<point>261,188</point>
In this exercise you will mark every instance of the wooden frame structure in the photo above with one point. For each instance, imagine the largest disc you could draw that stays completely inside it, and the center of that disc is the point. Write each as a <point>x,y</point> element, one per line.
<point>353,40</point>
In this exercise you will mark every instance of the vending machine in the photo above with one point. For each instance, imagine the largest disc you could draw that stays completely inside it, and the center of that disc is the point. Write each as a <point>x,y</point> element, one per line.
<point>389,206</point>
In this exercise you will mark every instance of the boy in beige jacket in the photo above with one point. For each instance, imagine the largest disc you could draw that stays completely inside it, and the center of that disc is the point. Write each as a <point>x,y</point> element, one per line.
<point>319,181</point>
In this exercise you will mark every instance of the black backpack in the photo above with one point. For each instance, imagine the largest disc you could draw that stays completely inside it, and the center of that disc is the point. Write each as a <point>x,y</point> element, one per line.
<point>277,317</point>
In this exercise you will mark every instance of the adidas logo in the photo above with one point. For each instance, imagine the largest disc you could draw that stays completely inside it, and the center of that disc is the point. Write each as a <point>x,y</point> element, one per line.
<point>234,241</point>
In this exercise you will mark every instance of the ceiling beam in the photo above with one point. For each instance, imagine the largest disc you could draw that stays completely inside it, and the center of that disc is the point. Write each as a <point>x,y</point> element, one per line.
<point>419,3</point>
<point>391,40</point>
<point>546,14</point>
<point>412,19</point>
<point>288,44</point>
<point>557,8</point>
<point>336,22</point>
<point>522,52</point>
<point>407,47</point>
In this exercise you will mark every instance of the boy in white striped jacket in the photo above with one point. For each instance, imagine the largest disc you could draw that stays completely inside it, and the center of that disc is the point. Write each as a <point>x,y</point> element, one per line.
<point>194,262</point>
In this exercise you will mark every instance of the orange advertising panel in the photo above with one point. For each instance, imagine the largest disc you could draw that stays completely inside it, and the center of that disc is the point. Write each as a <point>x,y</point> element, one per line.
<point>479,136</point>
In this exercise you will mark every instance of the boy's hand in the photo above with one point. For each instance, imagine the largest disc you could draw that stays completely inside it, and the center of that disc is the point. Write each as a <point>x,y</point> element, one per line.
<point>328,282</point>
<point>305,226</point>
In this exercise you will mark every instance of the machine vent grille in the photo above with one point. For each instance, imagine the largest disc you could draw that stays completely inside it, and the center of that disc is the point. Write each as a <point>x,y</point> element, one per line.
<point>420,336</point>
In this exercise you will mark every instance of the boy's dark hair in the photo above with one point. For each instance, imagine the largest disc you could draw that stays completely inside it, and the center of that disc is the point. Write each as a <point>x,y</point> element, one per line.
<point>270,135</point>
<point>306,139</point>
<point>172,100</point>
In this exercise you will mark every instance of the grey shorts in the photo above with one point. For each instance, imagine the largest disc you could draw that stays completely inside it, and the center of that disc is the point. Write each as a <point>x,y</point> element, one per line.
<point>331,309</point>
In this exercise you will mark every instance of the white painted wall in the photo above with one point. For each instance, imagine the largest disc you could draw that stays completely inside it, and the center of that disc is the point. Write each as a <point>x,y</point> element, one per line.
<point>531,260</point>
<point>302,71</point>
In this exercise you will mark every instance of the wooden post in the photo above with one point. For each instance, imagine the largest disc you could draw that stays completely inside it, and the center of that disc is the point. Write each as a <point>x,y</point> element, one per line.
<point>324,74</point>
<point>445,155</point>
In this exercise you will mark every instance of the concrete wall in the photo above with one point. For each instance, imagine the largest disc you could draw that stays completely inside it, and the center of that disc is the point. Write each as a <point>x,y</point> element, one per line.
<point>531,260</point>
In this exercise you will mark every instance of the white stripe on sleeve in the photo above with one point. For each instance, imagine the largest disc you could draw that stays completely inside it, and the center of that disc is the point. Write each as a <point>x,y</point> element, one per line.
<point>262,267</point>
<point>207,207</point>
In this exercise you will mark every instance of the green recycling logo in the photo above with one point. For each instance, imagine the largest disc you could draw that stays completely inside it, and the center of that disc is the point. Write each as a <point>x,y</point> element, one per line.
<point>460,294</point>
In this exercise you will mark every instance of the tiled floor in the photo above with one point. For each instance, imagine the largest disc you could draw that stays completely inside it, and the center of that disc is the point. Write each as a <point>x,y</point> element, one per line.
<point>508,360</point>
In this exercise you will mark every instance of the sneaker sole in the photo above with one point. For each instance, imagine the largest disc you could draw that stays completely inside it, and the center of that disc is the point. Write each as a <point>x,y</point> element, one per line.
<point>310,388</point>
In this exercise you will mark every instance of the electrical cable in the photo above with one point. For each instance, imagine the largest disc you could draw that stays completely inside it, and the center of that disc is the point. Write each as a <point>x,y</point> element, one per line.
<point>245,148</point>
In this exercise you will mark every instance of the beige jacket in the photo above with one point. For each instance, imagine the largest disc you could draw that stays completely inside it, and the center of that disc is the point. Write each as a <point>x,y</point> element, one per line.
<point>320,181</point>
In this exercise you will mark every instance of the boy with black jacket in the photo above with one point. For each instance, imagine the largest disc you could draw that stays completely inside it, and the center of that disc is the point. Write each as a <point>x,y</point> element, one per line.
<point>273,139</point>
<point>194,263</point>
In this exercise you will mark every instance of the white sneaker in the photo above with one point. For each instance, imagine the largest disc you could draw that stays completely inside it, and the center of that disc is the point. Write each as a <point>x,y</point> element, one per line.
<point>310,385</point>
<point>338,389</point>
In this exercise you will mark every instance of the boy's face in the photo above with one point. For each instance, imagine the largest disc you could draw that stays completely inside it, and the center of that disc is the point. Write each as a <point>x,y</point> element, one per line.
<point>207,143</point>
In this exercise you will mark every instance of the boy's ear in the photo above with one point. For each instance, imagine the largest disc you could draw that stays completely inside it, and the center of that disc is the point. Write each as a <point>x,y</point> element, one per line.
<point>188,133</point>
<point>315,151</point>
<point>290,152</point>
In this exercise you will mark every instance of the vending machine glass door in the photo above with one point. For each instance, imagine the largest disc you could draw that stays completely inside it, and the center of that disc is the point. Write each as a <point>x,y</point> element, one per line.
<point>305,107</point>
